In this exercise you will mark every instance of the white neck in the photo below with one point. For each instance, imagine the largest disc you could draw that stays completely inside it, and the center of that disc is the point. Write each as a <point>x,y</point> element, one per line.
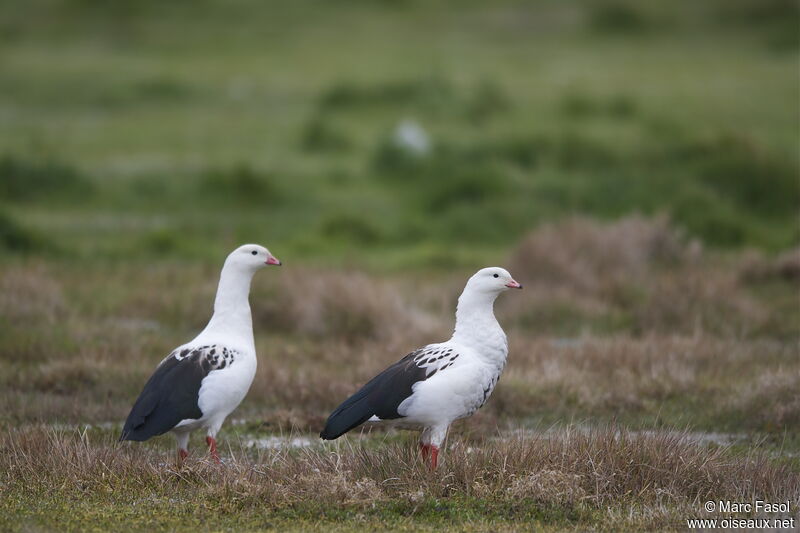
<point>232,317</point>
<point>476,324</point>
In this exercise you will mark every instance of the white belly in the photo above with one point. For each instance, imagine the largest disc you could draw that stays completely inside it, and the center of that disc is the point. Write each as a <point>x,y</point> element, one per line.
<point>221,392</point>
<point>450,395</point>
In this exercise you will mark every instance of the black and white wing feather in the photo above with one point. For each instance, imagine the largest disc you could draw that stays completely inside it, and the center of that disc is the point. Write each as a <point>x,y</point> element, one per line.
<point>384,393</point>
<point>171,393</point>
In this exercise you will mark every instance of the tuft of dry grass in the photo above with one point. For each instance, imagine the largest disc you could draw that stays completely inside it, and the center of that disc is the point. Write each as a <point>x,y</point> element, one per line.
<point>30,294</point>
<point>577,475</point>
<point>641,276</point>
<point>592,257</point>
<point>757,402</point>
<point>756,268</point>
<point>341,305</point>
<point>724,384</point>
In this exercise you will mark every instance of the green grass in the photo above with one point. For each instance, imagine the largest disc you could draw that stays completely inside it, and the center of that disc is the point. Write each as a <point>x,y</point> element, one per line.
<point>565,479</point>
<point>658,342</point>
<point>264,122</point>
<point>634,164</point>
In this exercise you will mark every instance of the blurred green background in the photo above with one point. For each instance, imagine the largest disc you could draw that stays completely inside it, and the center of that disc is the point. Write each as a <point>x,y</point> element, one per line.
<point>633,162</point>
<point>395,134</point>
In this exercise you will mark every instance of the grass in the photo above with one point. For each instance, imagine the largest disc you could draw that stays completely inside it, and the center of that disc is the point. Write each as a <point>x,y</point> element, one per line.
<point>566,478</point>
<point>256,119</point>
<point>639,357</point>
<point>634,164</point>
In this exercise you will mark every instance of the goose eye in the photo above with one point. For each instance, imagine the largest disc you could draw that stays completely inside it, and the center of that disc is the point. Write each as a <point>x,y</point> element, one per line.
<point>497,275</point>
<point>254,252</point>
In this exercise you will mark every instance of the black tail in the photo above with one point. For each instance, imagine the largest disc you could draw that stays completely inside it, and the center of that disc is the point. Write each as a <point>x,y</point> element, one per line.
<point>353,412</point>
<point>145,420</point>
<point>380,397</point>
<point>169,396</point>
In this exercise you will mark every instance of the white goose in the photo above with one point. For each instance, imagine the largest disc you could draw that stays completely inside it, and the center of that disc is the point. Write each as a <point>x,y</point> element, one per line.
<point>431,387</point>
<point>200,383</point>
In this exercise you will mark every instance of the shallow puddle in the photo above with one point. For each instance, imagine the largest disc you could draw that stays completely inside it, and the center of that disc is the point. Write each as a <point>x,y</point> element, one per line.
<point>275,442</point>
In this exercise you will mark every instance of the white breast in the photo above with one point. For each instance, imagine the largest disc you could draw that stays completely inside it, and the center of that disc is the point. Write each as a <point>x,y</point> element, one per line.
<point>455,392</point>
<point>223,390</point>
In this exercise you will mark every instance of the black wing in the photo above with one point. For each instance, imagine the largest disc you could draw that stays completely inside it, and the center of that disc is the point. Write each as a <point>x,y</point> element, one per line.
<point>171,393</point>
<point>384,393</point>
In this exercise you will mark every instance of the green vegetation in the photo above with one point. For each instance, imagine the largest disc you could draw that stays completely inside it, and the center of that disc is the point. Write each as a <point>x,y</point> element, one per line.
<point>260,121</point>
<point>634,164</point>
<point>67,481</point>
<point>621,326</point>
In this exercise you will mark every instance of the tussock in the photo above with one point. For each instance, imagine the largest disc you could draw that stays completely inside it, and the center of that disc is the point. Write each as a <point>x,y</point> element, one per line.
<point>588,256</point>
<point>575,471</point>
<point>738,385</point>
<point>757,268</point>
<point>635,274</point>
<point>30,293</point>
<point>342,305</point>
<point>758,400</point>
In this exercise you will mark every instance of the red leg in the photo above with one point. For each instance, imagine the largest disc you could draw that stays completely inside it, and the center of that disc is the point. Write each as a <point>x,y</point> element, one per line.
<point>425,451</point>
<point>182,454</point>
<point>212,449</point>
<point>434,456</point>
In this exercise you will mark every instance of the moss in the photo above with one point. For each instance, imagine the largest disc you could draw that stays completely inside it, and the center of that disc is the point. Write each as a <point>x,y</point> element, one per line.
<point>27,180</point>
<point>239,184</point>
<point>15,238</point>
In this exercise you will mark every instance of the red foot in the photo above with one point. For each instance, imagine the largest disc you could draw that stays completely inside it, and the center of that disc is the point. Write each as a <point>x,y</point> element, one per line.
<point>434,456</point>
<point>212,449</point>
<point>182,454</point>
<point>429,450</point>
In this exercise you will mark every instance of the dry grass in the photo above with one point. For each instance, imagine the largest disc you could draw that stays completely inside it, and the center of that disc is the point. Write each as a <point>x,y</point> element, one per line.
<point>786,266</point>
<point>641,276</point>
<point>348,306</point>
<point>641,326</point>
<point>588,257</point>
<point>620,323</point>
<point>567,476</point>
<point>713,383</point>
